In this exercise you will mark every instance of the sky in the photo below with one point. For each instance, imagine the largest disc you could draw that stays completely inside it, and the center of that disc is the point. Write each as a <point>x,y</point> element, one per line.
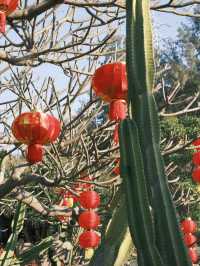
<point>166,24</point>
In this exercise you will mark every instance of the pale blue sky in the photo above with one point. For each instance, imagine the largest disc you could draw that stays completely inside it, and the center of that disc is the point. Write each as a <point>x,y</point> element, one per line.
<point>166,24</point>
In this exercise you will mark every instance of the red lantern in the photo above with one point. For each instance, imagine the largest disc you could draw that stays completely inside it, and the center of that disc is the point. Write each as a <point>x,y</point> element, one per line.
<point>110,83</point>
<point>89,239</point>
<point>188,226</point>
<point>6,8</point>
<point>89,219</point>
<point>196,158</point>
<point>54,128</point>
<point>36,128</point>
<point>189,239</point>
<point>89,199</point>
<point>118,110</point>
<point>196,143</point>
<point>193,255</point>
<point>34,153</point>
<point>196,174</point>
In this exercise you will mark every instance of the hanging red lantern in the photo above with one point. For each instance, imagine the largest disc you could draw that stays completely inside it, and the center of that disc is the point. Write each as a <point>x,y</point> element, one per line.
<point>89,219</point>
<point>89,199</point>
<point>196,174</point>
<point>118,110</point>
<point>196,143</point>
<point>189,239</point>
<point>89,239</point>
<point>54,128</point>
<point>34,153</point>
<point>6,8</point>
<point>35,128</point>
<point>188,226</point>
<point>196,158</point>
<point>110,83</point>
<point>193,255</point>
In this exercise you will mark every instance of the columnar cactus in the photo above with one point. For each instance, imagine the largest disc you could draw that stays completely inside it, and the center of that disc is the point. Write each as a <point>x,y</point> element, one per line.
<point>156,234</point>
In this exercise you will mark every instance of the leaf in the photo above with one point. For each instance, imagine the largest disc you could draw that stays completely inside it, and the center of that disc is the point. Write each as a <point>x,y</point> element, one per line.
<point>32,253</point>
<point>7,256</point>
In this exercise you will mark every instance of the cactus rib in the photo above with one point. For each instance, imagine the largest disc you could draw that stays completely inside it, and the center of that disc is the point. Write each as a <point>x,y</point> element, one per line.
<point>139,215</point>
<point>140,72</point>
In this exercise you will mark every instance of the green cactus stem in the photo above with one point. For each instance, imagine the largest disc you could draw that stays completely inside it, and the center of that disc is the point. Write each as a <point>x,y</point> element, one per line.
<point>140,70</point>
<point>138,205</point>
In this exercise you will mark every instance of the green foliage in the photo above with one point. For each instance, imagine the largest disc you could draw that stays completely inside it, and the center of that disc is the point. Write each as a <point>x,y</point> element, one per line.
<point>17,225</point>
<point>36,251</point>
<point>172,128</point>
<point>2,154</point>
<point>180,128</point>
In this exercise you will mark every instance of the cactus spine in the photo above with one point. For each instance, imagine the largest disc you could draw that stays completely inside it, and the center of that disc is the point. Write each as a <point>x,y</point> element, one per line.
<point>158,240</point>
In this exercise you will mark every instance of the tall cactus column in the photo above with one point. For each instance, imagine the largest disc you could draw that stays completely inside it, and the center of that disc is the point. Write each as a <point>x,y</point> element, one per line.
<point>156,234</point>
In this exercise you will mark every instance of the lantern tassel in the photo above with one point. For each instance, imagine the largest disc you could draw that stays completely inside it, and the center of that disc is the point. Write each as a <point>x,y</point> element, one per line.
<point>34,153</point>
<point>118,110</point>
<point>2,22</point>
